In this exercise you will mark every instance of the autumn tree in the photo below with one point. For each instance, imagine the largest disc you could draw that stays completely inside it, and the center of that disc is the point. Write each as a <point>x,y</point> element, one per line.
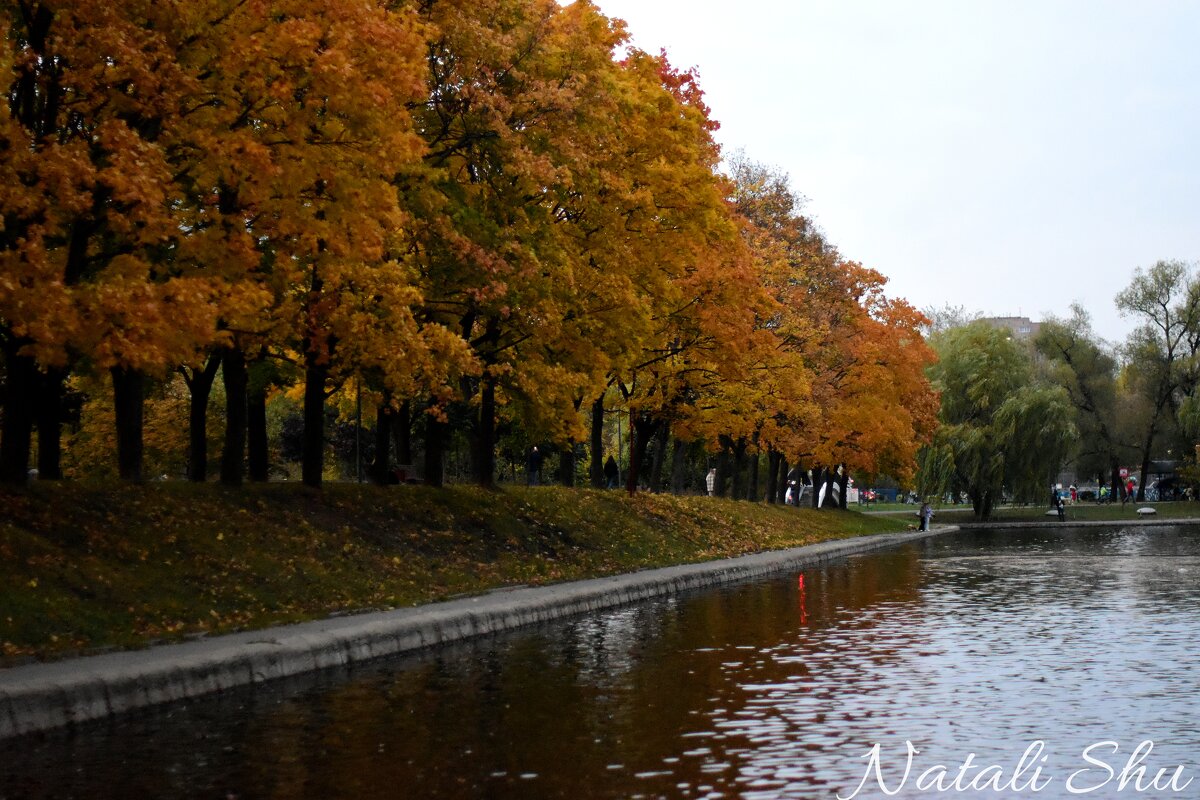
<point>507,87</point>
<point>90,214</point>
<point>293,173</point>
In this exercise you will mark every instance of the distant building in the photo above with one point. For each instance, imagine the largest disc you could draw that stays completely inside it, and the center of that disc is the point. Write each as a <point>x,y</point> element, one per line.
<point>1020,327</point>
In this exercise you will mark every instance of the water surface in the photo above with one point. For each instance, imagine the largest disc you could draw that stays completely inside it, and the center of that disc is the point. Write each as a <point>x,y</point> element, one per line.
<point>972,643</point>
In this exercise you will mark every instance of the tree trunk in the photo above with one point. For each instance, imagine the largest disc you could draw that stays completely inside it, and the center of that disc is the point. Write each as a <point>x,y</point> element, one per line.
<point>233,455</point>
<point>313,456</point>
<point>781,487</point>
<point>49,424</point>
<point>981,504</point>
<point>773,458</point>
<point>679,463</point>
<point>596,467</point>
<point>566,465</point>
<point>258,460</point>
<point>199,383</point>
<point>1141,488</point>
<point>435,451</point>
<point>723,468</point>
<point>843,481</point>
<point>381,469</point>
<point>641,429</point>
<point>752,491</point>
<point>483,450</point>
<point>738,490</point>
<point>16,436</point>
<point>661,438</point>
<point>129,403</point>
<point>402,433</point>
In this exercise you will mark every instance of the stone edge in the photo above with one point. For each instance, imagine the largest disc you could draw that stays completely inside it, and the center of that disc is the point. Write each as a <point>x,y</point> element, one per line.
<point>37,697</point>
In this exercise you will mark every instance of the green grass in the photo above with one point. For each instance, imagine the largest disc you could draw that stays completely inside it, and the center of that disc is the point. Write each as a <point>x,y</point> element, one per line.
<point>84,568</point>
<point>1091,511</point>
<point>960,514</point>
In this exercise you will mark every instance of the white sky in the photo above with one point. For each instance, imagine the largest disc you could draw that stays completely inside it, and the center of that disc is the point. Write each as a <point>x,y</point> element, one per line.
<point>1008,156</point>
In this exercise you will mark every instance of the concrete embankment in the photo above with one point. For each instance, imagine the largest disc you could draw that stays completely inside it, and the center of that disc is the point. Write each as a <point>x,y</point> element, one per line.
<point>36,697</point>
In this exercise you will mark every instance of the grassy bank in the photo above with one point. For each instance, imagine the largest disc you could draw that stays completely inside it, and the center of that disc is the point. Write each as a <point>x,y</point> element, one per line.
<point>1109,512</point>
<point>89,568</point>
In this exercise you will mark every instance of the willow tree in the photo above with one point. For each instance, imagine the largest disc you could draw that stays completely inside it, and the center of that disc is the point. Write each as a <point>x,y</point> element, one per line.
<point>1002,430</point>
<point>1080,362</point>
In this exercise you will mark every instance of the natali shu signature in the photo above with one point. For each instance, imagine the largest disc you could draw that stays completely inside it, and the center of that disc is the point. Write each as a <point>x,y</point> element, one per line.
<point>1101,767</point>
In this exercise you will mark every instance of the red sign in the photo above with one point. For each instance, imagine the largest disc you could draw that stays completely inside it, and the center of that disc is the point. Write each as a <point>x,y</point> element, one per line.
<point>1124,472</point>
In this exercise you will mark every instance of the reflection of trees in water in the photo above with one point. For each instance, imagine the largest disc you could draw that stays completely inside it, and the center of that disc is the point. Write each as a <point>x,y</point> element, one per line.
<point>1051,573</point>
<point>988,628</point>
<point>565,702</point>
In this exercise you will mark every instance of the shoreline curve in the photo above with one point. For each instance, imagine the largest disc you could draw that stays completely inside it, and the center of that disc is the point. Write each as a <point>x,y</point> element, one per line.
<point>37,697</point>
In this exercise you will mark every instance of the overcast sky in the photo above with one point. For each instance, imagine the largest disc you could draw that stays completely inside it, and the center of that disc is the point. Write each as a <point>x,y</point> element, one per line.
<point>1009,157</point>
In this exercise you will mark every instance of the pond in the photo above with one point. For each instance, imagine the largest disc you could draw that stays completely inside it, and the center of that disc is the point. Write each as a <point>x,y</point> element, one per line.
<point>1047,662</point>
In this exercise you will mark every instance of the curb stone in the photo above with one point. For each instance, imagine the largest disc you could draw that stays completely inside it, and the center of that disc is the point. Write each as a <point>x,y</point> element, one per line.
<point>36,697</point>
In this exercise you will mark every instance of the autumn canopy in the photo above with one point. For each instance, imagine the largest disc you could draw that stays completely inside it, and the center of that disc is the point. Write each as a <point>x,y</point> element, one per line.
<point>483,221</point>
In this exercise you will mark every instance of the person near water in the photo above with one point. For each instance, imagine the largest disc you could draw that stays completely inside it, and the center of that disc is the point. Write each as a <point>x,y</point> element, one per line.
<point>926,516</point>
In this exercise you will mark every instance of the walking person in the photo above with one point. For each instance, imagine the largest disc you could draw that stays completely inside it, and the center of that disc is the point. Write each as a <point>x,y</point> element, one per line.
<point>710,481</point>
<point>533,467</point>
<point>612,473</point>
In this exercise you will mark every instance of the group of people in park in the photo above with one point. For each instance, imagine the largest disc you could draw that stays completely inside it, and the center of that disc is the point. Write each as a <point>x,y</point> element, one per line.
<point>612,477</point>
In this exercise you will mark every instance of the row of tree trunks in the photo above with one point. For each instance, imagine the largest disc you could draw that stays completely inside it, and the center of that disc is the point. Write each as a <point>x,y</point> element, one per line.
<point>246,435</point>
<point>37,397</point>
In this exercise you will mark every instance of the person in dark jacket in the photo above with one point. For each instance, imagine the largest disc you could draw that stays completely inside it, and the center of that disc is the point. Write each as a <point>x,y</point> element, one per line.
<point>533,467</point>
<point>612,474</point>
